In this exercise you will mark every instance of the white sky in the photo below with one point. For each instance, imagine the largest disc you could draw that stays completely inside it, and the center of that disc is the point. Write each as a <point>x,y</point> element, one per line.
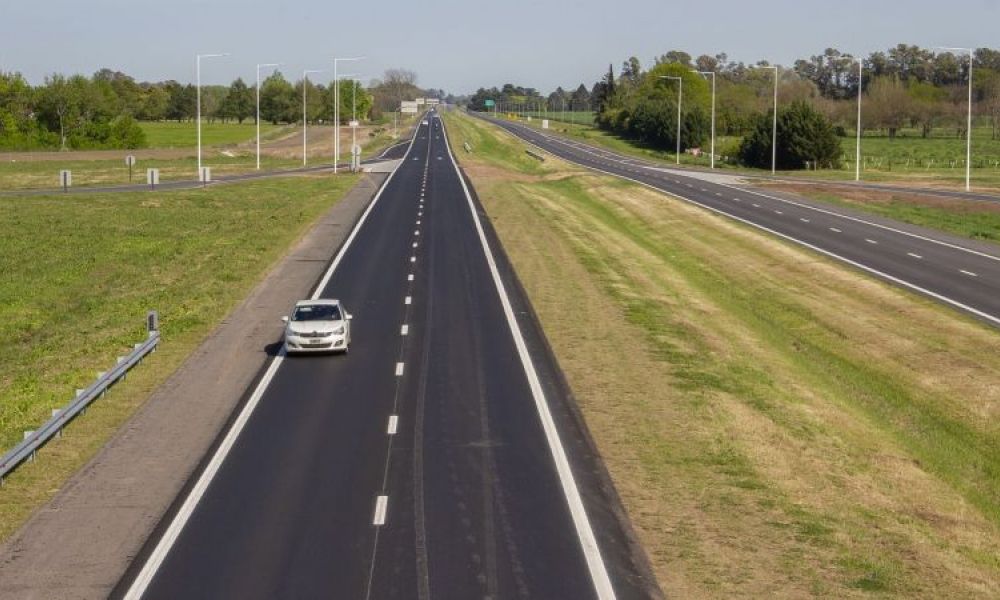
<point>460,45</point>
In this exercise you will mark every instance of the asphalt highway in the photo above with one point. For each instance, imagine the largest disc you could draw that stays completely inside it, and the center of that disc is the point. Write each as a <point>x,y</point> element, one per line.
<point>443,457</point>
<point>958,272</point>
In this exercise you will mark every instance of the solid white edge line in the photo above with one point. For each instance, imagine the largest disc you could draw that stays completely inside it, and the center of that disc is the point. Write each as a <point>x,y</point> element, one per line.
<point>173,531</point>
<point>584,531</point>
<point>393,424</point>
<point>991,318</point>
<point>667,169</point>
<point>380,507</point>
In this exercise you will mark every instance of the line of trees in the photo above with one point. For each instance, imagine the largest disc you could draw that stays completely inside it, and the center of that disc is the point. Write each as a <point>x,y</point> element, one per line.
<point>904,88</point>
<point>102,111</point>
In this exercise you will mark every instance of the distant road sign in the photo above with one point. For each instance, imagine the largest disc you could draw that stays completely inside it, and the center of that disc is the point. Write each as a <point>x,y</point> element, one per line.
<point>490,103</point>
<point>353,123</point>
<point>129,161</point>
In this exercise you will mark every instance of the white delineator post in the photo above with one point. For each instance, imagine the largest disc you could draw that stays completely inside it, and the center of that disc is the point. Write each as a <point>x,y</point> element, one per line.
<point>258,108</point>
<point>198,98</point>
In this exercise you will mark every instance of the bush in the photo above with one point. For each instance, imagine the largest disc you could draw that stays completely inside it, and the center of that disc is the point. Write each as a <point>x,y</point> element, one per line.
<point>804,136</point>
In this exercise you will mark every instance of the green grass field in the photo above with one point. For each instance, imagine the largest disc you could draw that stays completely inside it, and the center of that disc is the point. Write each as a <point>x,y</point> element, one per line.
<point>776,424</point>
<point>43,174</point>
<point>80,272</point>
<point>173,134</point>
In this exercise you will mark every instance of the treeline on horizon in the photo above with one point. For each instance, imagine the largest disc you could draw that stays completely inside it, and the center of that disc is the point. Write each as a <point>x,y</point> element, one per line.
<point>103,111</point>
<point>904,87</point>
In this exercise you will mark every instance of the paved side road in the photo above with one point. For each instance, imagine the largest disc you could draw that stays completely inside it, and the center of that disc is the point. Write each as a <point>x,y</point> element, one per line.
<point>80,544</point>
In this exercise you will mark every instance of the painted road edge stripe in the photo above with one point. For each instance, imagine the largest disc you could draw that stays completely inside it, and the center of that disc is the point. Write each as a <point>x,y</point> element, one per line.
<point>380,505</point>
<point>584,531</point>
<point>173,531</point>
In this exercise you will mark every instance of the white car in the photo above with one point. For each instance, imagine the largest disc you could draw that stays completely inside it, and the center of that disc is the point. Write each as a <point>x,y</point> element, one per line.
<point>317,326</point>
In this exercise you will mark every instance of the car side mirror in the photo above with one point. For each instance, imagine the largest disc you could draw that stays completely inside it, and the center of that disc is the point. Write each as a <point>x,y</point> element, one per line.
<point>284,319</point>
<point>349,316</point>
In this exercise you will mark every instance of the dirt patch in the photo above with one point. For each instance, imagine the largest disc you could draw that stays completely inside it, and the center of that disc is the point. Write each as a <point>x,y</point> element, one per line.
<point>871,196</point>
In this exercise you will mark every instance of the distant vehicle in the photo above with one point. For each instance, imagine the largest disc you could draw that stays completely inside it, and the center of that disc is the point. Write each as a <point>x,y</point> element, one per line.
<point>425,122</point>
<point>317,326</point>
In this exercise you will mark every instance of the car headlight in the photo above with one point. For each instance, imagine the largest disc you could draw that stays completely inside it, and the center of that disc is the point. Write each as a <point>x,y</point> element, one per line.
<point>339,330</point>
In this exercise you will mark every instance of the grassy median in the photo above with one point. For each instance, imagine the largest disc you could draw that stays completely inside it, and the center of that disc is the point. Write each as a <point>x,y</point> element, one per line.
<point>81,271</point>
<point>777,425</point>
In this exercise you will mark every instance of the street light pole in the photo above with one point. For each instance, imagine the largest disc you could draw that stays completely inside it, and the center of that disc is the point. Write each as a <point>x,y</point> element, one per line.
<point>258,107</point>
<point>198,99</point>
<point>712,73</point>
<point>774,128</point>
<point>336,110</point>
<point>968,128</point>
<point>857,148</point>
<point>680,98</point>
<point>305,117</point>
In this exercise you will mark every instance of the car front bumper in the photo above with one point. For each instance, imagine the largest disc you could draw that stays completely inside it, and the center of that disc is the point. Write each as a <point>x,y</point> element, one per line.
<point>296,344</point>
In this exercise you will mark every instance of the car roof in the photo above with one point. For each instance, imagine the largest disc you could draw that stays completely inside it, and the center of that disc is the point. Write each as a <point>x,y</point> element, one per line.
<point>318,302</point>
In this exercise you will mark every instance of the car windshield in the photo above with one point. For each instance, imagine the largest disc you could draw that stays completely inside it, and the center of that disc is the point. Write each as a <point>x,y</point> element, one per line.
<point>317,312</point>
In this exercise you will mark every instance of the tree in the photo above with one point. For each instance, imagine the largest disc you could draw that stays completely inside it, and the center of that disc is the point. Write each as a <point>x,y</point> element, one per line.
<point>277,100</point>
<point>889,105</point>
<point>239,102</point>
<point>804,136</point>
<point>60,105</point>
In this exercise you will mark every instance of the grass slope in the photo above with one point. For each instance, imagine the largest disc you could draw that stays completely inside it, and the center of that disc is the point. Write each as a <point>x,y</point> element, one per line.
<point>777,425</point>
<point>80,272</point>
<point>174,134</point>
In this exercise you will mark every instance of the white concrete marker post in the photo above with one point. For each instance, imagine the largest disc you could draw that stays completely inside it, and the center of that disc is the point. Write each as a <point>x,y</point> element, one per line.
<point>65,179</point>
<point>205,175</point>
<point>152,178</point>
<point>130,162</point>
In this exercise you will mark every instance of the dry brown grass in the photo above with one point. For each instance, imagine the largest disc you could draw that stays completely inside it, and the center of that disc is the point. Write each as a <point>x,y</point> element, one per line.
<point>759,408</point>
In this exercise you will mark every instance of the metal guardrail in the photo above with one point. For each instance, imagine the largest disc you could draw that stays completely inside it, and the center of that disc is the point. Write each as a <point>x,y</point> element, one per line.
<point>33,440</point>
<point>534,154</point>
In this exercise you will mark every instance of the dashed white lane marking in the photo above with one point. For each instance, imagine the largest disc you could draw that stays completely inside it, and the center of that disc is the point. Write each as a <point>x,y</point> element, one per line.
<point>719,194</point>
<point>399,369</point>
<point>413,259</point>
<point>913,255</point>
<point>735,199</point>
<point>380,506</point>
<point>393,424</point>
<point>969,273</point>
<point>779,212</point>
<point>689,185</point>
<point>408,300</point>
<point>409,277</point>
<point>803,219</point>
<point>416,232</point>
<point>404,330</point>
<point>870,241</point>
<point>418,221</point>
<point>755,205</point>
<point>414,244</point>
<point>835,230</point>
